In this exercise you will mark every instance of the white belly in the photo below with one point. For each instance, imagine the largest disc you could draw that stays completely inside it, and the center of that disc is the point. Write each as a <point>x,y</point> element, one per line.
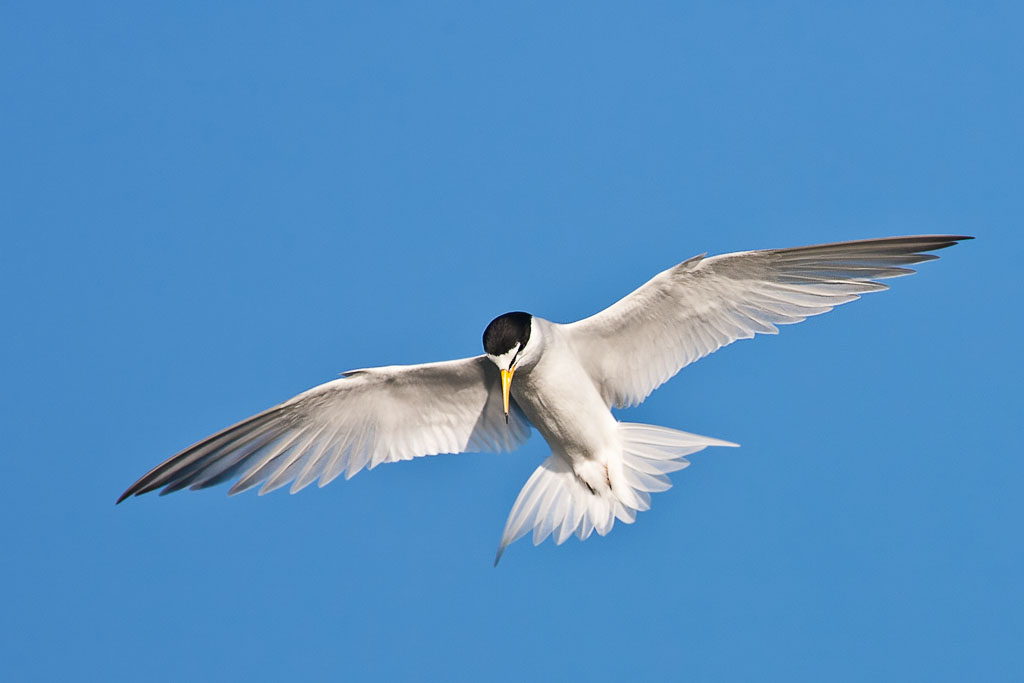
<point>566,408</point>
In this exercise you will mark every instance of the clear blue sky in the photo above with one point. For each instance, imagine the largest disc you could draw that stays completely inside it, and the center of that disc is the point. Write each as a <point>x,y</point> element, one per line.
<point>207,209</point>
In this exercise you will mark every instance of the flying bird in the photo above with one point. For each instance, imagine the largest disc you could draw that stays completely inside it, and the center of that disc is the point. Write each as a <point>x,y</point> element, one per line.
<point>561,379</point>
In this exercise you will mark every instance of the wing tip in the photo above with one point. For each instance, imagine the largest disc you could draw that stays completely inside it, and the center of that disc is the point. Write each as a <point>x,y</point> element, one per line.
<point>139,488</point>
<point>943,242</point>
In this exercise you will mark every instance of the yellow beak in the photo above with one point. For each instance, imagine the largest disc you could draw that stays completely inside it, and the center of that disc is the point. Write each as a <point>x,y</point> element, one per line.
<point>506,383</point>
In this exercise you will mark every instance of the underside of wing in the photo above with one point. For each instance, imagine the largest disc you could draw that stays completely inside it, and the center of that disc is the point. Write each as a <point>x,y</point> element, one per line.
<point>702,304</point>
<point>360,420</point>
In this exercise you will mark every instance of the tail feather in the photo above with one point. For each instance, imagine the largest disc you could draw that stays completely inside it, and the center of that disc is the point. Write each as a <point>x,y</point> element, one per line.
<point>556,502</point>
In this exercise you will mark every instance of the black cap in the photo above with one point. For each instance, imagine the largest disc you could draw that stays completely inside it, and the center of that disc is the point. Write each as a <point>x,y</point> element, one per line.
<point>506,331</point>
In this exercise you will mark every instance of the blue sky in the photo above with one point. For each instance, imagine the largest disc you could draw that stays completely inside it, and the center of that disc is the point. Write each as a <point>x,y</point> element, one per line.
<point>207,209</point>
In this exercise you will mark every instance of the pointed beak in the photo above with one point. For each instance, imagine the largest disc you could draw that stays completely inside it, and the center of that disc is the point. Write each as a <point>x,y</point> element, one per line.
<point>506,383</point>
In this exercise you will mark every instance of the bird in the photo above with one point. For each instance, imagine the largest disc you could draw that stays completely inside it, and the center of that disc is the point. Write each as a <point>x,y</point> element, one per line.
<point>561,379</point>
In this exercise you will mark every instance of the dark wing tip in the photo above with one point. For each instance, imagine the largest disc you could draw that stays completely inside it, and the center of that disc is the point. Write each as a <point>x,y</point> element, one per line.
<point>143,485</point>
<point>136,489</point>
<point>936,242</point>
<point>179,470</point>
<point>944,241</point>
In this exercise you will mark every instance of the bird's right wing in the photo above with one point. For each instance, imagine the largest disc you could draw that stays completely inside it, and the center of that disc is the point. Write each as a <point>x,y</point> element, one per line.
<point>361,420</point>
<point>702,304</point>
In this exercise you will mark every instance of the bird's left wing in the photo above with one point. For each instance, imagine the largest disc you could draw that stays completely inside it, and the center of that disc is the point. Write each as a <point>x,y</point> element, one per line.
<point>360,420</point>
<point>702,304</point>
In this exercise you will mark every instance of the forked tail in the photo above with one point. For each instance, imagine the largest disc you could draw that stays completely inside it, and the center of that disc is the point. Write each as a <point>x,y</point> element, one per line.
<point>555,501</point>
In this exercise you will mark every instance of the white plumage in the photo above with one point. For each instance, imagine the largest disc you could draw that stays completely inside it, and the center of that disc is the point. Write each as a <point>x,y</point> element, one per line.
<point>359,421</point>
<point>567,377</point>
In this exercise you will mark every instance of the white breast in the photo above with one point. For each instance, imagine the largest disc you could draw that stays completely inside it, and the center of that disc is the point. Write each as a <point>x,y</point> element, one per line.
<point>563,402</point>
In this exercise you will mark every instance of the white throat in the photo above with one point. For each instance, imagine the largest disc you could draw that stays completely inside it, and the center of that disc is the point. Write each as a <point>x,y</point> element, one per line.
<point>504,361</point>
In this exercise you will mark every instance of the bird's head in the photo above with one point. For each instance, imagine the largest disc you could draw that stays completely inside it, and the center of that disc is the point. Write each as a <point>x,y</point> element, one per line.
<point>505,340</point>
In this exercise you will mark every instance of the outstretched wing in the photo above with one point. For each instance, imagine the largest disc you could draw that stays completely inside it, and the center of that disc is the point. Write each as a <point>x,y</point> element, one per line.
<point>361,420</point>
<point>702,304</point>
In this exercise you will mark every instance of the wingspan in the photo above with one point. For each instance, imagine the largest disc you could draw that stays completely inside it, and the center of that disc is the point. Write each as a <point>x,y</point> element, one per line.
<point>361,420</point>
<point>702,304</point>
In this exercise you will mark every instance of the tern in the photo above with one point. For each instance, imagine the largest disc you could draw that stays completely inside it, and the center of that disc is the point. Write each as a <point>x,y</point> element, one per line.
<point>561,379</point>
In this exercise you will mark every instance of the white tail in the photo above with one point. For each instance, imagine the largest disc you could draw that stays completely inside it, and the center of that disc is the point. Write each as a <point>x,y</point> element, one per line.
<point>555,501</point>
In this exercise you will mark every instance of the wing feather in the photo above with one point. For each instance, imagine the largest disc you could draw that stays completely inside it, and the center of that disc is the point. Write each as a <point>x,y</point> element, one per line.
<point>358,421</point>
<point>703,304</point>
